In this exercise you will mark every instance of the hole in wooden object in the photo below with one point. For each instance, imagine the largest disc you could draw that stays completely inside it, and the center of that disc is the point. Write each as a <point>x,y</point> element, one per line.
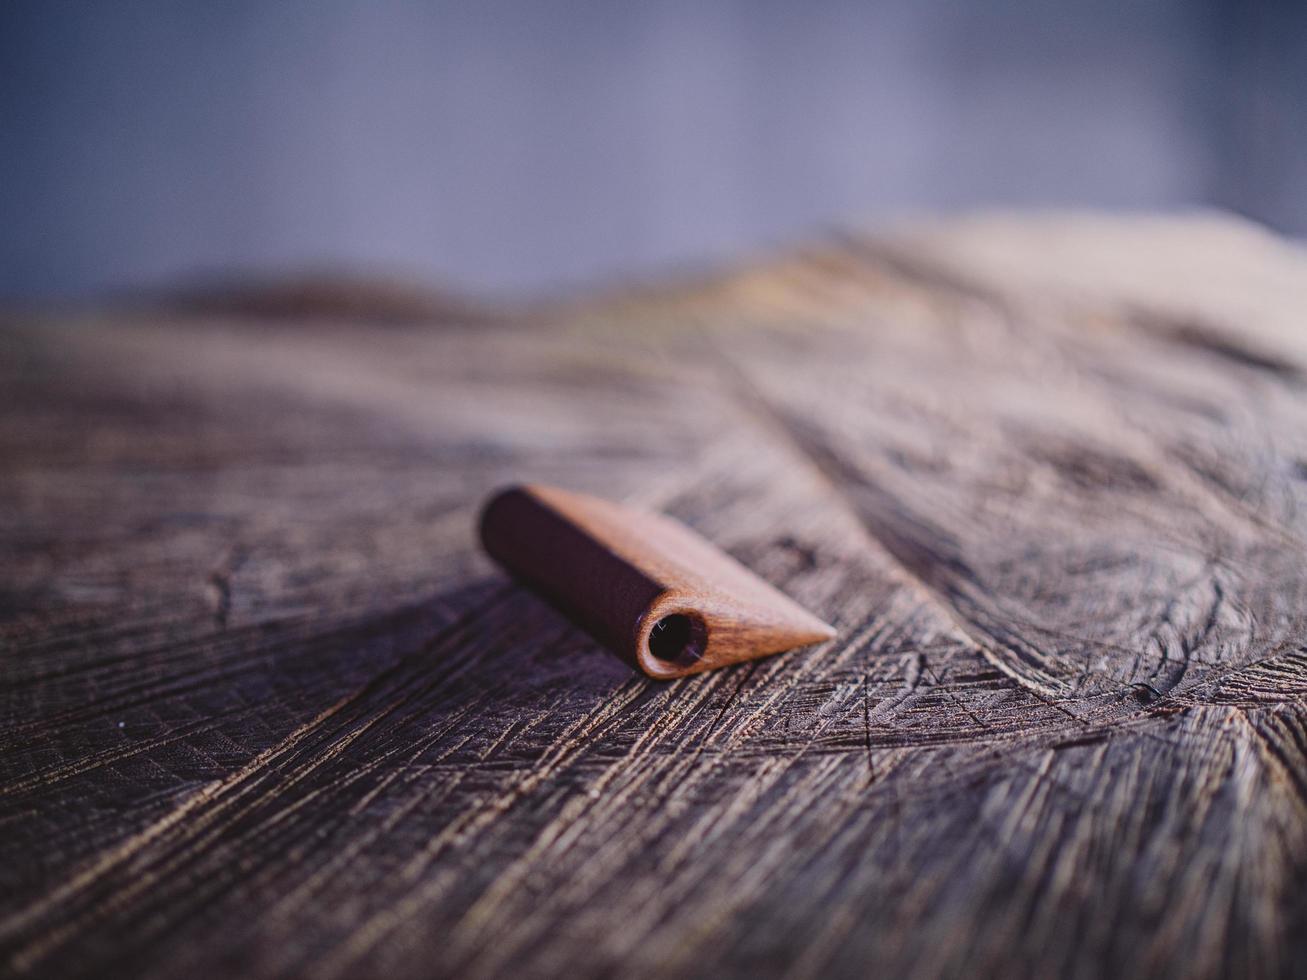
<point>678,639</point>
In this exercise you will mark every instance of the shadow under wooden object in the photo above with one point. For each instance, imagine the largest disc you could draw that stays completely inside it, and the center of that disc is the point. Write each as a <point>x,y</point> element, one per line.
<point>267,711</point>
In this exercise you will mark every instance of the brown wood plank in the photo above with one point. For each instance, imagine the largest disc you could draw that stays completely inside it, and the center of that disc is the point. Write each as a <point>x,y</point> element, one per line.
<point>266,711</point>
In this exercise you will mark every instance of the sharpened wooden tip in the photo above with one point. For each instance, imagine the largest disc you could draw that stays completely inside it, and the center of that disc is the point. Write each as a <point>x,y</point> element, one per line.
<point>644,585</point>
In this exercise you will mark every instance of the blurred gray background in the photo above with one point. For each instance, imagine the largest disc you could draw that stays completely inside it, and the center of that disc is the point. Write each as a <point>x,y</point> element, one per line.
<point>528,146</point>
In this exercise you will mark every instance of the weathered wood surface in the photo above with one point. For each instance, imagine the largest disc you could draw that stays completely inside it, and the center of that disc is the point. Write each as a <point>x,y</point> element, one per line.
<point>268,712</point>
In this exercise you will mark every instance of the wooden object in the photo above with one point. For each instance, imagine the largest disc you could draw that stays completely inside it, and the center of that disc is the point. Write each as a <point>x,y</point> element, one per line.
<point>648,588</point>
<point>267,710</point>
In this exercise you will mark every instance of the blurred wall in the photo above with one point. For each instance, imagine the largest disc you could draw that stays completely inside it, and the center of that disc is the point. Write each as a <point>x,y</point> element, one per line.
<point>527,145</point>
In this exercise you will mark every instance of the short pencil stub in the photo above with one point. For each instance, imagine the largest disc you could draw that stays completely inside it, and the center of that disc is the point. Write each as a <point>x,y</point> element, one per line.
<point>652,590</point>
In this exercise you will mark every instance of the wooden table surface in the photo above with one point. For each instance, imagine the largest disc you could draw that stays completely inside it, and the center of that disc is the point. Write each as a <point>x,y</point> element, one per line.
<point>267,711</point>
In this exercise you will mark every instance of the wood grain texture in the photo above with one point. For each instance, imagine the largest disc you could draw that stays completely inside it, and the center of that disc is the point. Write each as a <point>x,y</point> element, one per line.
<point>266,711</point>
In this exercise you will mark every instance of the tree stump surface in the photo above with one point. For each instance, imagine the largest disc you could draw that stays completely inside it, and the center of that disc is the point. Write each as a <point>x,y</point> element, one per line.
<point>267,711</point>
